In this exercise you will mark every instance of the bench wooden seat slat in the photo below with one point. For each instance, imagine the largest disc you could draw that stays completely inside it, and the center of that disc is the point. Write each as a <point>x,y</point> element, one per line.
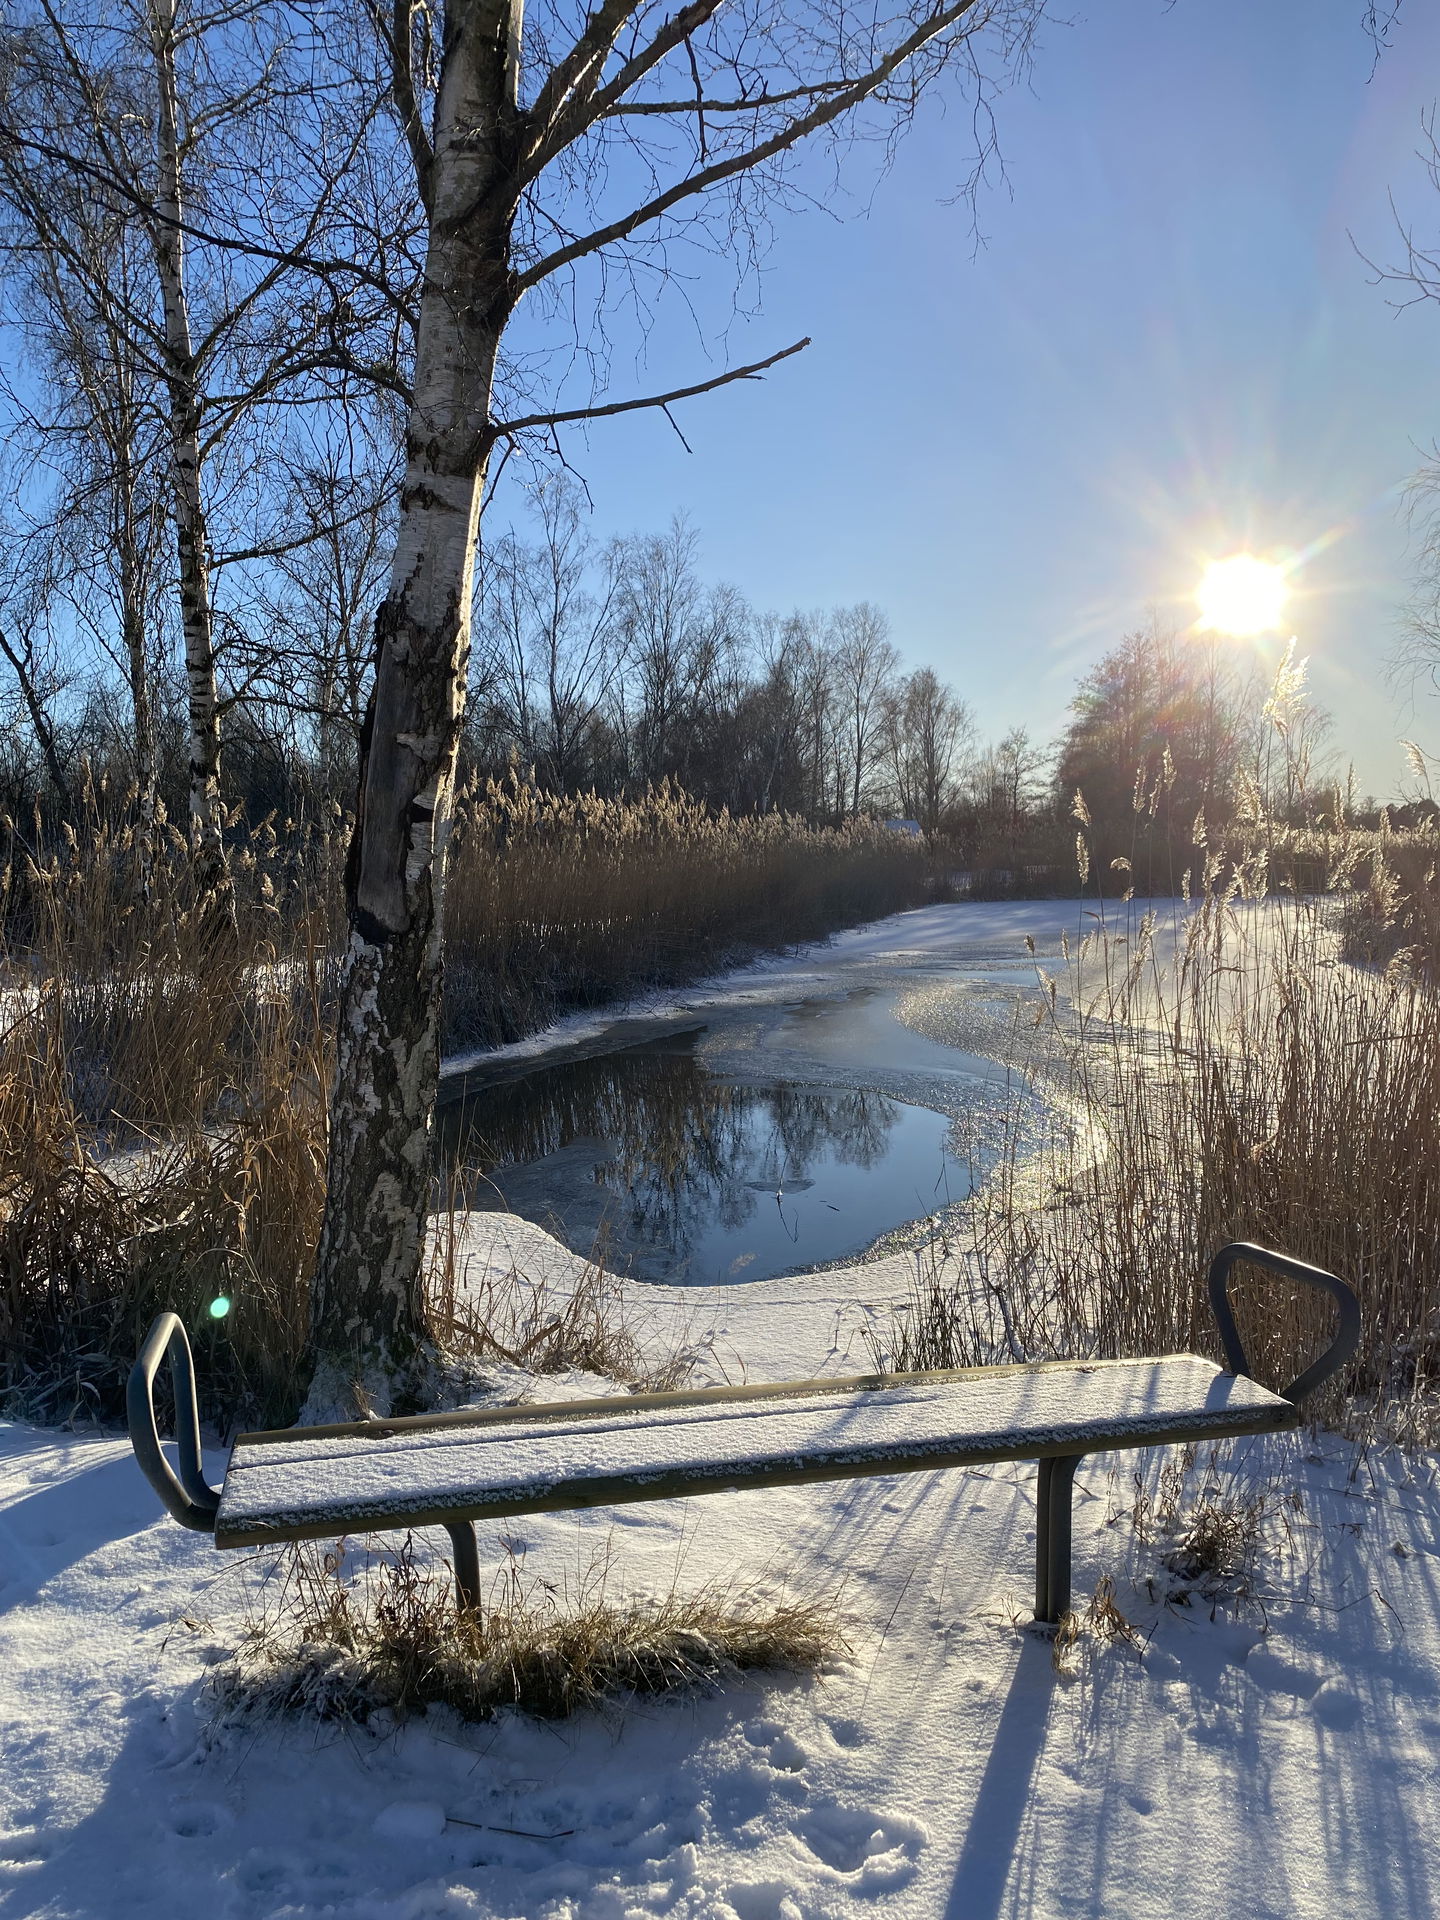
<point>290,1486</point>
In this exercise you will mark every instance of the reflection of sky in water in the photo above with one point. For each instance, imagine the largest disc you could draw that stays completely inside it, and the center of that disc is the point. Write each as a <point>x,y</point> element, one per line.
<point>690,1178</point>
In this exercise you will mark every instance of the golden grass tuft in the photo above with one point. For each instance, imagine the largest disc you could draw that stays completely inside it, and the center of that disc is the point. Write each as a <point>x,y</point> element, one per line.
<point>1218,1540</point>
<point>391,1642</point>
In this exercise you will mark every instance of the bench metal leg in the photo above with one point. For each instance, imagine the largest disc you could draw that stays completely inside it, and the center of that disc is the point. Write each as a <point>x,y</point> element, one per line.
<point>1052,1537</point>
<point>466,1558</point>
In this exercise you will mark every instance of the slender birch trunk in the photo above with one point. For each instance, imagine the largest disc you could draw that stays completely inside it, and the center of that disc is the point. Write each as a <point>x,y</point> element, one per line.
<point>137,660</point>
<point>369,1346</point>
<point>207,818</point>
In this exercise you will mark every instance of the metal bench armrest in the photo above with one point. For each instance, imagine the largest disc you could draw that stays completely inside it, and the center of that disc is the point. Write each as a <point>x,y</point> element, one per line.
<point>188,1498</point>
<point>1346,1339</point>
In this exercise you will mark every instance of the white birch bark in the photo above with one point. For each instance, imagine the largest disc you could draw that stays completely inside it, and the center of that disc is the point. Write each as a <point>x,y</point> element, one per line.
<point>128,542</point>
<point>368,1331</point>
<point>191,537</point>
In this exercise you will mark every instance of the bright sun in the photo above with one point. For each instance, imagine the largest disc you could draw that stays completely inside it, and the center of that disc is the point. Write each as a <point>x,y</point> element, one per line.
<point>1242,596</point>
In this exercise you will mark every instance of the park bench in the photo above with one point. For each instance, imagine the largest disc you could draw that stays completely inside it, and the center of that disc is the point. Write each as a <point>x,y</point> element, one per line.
<point>452,1469</point>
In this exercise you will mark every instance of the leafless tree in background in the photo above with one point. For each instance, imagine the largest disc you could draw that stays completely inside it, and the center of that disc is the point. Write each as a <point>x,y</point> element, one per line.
<point>316,596</point>
<point>207,138</point>
<point>552,637</point>
<point>27,591</point>
<point>1006,782</point>
<point>927,732</point>
<point>863,666</point>
<point>93,433</point>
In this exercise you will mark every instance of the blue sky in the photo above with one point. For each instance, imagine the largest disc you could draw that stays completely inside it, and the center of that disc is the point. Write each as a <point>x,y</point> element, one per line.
<point>1167,348</point>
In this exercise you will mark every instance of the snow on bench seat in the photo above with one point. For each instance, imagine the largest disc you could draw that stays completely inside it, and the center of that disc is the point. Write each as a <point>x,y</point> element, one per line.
<point>313,1483</point>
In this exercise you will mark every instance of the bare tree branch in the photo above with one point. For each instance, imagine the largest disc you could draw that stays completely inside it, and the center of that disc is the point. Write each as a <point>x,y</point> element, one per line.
<point>820,89</point>
<point>737,163</point>
<point>752,372</point>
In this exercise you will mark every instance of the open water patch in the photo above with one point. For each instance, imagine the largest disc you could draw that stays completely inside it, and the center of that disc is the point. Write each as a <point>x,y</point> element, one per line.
<point>682,1175</point>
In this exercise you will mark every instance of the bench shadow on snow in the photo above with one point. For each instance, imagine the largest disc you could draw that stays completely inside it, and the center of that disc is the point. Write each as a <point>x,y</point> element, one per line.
<point>1280,1783</point>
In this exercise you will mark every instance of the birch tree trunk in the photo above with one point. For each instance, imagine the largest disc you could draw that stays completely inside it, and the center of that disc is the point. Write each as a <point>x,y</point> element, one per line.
<point>207,818</point>
<point>369,1347</point>
<point>128,540</point>
<point>147,781</point>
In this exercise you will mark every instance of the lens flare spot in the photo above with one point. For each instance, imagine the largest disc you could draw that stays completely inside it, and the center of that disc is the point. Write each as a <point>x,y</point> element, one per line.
<point>219,1306</point>
<point>1242,596</point>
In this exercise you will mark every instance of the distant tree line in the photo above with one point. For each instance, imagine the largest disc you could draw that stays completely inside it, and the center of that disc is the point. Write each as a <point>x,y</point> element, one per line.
<point>610,666</point>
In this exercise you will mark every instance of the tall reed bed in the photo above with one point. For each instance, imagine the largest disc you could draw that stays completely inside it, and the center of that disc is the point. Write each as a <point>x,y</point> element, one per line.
<point>162,1121</point>
<point>556,902</point>
<point>1226,1077</point>
<point>163,1077</point>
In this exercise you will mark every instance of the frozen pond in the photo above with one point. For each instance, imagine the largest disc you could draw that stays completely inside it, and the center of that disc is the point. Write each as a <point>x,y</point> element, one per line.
<point>792,1118</point>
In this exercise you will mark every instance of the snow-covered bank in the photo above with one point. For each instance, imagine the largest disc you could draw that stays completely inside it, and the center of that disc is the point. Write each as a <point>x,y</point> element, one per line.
<point>1280,1759</point>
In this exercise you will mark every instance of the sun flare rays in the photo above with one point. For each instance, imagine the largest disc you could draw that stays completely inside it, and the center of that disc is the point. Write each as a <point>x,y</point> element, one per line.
<point>1242,596</point>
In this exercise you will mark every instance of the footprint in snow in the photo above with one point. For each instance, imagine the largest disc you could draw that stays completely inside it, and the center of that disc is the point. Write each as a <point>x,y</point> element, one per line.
<point>761,1900</point>
<point>874,1852</point>
<point>198,1819</point>
<point>1279,1675</point>
<point>1335,1707</point>
<point>23,1844</point>
<point>847,1733</point>
<point>781,1749</point>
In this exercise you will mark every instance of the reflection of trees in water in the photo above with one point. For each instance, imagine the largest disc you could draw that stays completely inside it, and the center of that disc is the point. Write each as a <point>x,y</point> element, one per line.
<point>769,1139</point>
<point>684,1144</point>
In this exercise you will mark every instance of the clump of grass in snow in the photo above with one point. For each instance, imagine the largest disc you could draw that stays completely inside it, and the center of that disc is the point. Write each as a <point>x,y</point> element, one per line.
<point>1209,1529</point>
<point>1105,1623</point>
<point>1218,1541</point>
<point>1105,1619</point>
<point>392,1643</point>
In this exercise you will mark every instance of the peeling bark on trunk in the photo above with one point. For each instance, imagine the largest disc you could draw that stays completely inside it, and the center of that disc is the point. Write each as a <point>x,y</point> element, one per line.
<point>369,1339</point>
<point>207,818</point>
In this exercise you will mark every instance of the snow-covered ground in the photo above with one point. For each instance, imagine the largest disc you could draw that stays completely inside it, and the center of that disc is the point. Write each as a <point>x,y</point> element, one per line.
<point>1278,1756</point>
